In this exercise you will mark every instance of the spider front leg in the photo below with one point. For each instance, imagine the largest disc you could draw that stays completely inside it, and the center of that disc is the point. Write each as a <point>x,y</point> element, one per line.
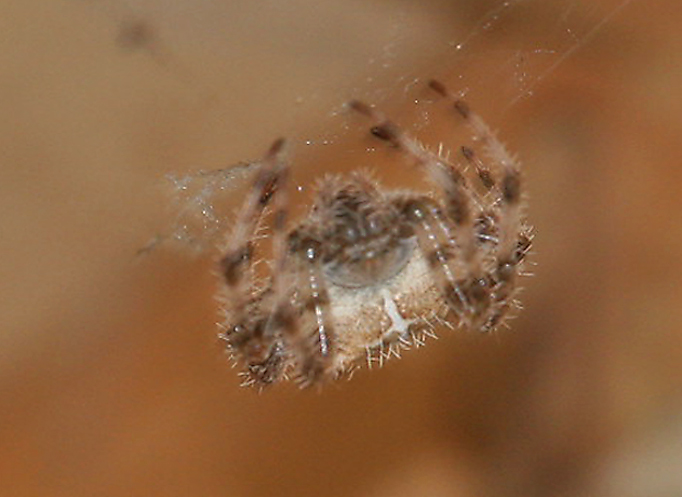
<point>269,329</point>
<point>446,232</point>
<point>504,176</point>
<point>504,207</point>
<point>248,333</point>
<point>308,333</point>
<point>300,317</point>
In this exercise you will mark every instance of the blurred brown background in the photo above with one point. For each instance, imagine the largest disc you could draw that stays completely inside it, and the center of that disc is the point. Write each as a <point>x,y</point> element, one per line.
<point>111,379</point>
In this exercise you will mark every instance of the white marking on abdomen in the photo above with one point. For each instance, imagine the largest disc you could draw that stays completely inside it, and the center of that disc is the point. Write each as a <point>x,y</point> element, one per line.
<point>399,324</point>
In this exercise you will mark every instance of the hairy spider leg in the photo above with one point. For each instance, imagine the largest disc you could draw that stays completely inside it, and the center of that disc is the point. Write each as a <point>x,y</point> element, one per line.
<point>297,256</point>
<point>507,171</point>
<point>265,324</point>
<point>312,341</point>
<point>246,329</point>
<point>442,233</point>
<point>503,178</point>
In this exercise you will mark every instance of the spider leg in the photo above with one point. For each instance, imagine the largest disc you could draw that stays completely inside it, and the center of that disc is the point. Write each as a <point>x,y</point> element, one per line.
<point>295,308</point>
<point>237,262</point>
<point>245,307</point>
<point>503,178</point>
<point>506,172</point>
<point>446,236</point>
<point>296,257</point>
<point>314,350</point>
<point>434,238</point>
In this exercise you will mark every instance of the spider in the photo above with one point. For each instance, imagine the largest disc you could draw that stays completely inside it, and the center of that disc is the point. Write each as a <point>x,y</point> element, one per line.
<point>371,271</point>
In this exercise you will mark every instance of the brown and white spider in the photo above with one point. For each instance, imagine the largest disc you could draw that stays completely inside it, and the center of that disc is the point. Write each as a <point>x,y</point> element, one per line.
<point>370,271</point>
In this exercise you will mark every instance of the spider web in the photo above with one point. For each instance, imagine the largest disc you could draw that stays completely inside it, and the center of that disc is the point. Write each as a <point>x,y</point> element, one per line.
<point>495,52</point>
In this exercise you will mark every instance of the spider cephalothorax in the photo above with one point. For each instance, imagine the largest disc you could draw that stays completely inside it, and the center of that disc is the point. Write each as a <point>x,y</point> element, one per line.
<point>363,238</point>
<point>370,271</point>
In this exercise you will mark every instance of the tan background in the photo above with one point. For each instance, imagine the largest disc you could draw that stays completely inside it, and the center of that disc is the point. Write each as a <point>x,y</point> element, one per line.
<point>111,380</point>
